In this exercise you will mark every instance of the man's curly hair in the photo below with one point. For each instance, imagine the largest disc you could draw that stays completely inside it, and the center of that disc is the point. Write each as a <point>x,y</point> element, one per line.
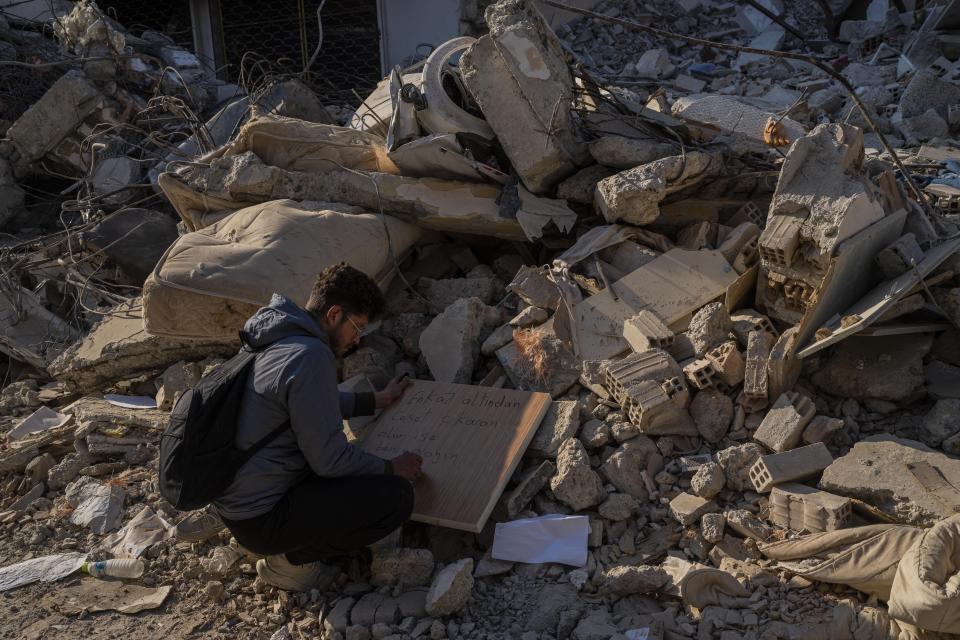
<point>348,287</point>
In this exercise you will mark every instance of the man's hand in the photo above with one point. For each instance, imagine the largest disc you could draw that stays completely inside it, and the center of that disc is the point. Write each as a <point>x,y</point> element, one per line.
<point>392,391</point>
<point>407,465</point>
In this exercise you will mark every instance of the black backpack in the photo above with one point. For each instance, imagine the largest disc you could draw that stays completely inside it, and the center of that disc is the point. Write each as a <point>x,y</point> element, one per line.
<point>198,459</point>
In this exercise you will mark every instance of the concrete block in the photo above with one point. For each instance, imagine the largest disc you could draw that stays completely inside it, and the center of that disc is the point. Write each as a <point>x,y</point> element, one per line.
<point>659,407</point>
<point>646,331</point>
<point>755,382</point>
<point>738,238</point>
<point>748,256</point>
<point>701,374</point>
<point>782,427</point>
<point>797,464</point>
<point>687,508</point>
<point>749,212</point>
<point>746,320</point>
<point>652,364</point>
<point>728,362</point>
<point>780,240</point>
<point>802,508</point>
<point>620,153</point>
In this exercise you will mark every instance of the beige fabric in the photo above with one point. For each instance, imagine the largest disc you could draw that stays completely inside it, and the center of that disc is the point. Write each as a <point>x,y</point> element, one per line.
<point>926,589</point>
<point>287,143</point>
<point>864,558</point>
<point>209,281</point>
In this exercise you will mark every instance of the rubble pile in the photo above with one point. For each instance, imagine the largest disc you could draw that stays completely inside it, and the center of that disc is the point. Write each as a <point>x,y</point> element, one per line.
<point>747,319</point>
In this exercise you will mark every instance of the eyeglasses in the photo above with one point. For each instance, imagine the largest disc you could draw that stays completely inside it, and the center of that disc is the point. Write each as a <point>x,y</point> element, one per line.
<point>364,331</point>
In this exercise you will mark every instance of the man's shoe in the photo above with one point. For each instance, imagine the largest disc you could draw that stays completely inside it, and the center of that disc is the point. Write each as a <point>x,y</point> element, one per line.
<point>281,573</point>
<point>199,526</point>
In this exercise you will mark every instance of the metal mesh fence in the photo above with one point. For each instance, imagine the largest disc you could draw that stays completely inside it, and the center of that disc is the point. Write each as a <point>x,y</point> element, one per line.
<point>287,35</point>
<point>171,17</point>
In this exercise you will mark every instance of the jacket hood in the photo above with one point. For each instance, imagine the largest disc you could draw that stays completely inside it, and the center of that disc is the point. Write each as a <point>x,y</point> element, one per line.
<point>280,319</point>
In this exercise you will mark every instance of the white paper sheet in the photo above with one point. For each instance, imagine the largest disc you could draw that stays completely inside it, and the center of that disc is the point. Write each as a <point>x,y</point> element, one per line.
<point>552,538</point>
<point>45,569</point>
<point>40,420</point>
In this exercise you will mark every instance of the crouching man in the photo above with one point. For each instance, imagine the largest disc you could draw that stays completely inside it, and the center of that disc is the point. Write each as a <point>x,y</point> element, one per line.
<point>309,494</point>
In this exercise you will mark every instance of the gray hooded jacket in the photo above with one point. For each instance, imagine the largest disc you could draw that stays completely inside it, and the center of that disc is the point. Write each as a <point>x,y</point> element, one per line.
<point>294,377</point>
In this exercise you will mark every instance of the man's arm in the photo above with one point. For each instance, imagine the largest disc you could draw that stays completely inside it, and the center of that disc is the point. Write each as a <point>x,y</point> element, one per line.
<point>313,402</point>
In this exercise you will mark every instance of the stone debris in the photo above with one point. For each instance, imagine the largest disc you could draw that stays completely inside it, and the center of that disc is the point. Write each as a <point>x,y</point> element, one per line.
<point>741,300</point>
<point>450,589</point>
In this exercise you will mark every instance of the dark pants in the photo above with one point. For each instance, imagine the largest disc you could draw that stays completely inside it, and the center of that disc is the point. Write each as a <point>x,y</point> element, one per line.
<point>326,517</point>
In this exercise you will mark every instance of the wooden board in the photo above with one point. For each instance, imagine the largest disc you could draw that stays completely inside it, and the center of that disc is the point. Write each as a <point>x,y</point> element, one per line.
<point>471,439</point>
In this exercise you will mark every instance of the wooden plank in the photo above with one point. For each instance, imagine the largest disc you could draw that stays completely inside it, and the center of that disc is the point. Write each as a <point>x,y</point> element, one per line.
<point>471,439</point>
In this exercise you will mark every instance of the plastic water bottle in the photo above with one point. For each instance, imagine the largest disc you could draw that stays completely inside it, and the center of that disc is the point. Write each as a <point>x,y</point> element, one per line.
<point>117,568</point>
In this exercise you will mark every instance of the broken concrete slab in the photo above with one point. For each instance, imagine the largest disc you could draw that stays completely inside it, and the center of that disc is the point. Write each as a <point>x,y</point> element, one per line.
<point>634,196</point>
<point>54,117</point>
<point>903,478</point>
<point>716,114</point>
<point>519,77</point>
<point>883,368</point>
<point>118,347</point>
<point>942,380</point>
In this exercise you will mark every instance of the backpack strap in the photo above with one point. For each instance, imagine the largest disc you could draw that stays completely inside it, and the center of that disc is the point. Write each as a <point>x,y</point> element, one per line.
<point>265,440</point>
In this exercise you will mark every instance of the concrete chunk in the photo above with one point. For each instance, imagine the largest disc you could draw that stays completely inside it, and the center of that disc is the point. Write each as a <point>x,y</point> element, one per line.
<point>796,464</point>
<point>687,508</point>
<point>709,327</point>
<point>575,483</point>
<point>755,382</point>
<point>450,344</point>
<point>561,423</point>
<point>530,485</point>
<point>633,196</point>
<point>782,427</point>
<point>450,589</point>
